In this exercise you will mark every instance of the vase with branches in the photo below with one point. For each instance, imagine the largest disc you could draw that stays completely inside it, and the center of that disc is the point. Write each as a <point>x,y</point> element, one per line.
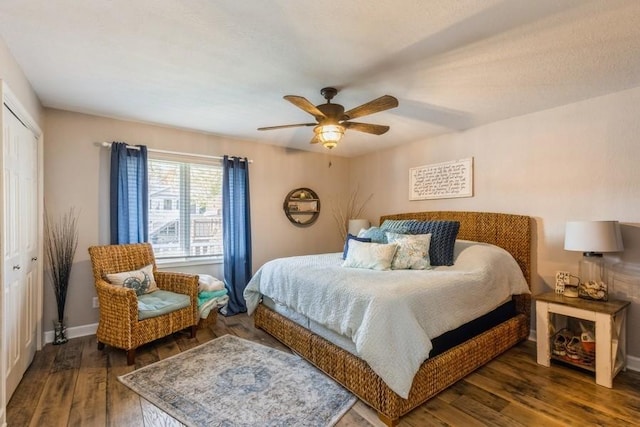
<point>61,242</point>
<point>353,210</point>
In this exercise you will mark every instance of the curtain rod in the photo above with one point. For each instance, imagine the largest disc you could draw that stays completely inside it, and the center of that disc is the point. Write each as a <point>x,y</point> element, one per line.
<point>153,150</point>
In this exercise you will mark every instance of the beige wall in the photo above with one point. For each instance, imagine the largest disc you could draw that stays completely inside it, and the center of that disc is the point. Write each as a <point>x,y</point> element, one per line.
<point>580,161</point>
<point>77,173</point>
<point>12,75</point>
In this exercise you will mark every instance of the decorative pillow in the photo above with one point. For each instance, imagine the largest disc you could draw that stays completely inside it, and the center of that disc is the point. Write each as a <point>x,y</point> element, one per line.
<point>413,251</point>
<point>141,281</point>
<point>397,225</point>
<point>376,234</point>
<point>443,239</point>
<point>352,237</point>
<point>374,256</point>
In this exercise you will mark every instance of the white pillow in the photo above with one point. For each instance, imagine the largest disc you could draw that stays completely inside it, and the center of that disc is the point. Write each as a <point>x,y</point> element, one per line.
<point>413,251</point>
<point>374,256</point>
<point>141,281</point>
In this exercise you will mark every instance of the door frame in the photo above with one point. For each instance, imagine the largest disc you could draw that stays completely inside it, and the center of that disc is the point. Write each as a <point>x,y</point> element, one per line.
<point>13,103</point>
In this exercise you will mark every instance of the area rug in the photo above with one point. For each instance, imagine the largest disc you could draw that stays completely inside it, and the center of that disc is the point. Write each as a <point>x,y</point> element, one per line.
<point>230,381</point>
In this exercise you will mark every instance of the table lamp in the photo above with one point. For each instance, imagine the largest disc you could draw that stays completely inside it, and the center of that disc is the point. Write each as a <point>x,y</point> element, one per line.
<point>592,238</point>
<point>355,225</point>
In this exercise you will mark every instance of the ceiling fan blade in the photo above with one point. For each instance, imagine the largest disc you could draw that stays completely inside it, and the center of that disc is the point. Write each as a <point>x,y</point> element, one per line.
<point>366,127</point>
<point>305,104</point>
<point>315,139</point>
<point>385,102</point>
<point>288,126</point>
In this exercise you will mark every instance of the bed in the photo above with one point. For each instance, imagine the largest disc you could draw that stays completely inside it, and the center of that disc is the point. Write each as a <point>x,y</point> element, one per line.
<point>510,232</point>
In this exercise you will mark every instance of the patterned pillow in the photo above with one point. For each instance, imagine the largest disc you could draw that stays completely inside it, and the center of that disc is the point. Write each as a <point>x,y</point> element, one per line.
<point>443,239</point>
<point>141,281</point>
<point>374,256</point>
<point>352,237</point>
<point>376,234</point>
<point>413,251</point>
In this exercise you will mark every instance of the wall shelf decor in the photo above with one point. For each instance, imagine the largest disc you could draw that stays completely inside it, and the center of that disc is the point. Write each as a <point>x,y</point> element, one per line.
<point>302,206</point>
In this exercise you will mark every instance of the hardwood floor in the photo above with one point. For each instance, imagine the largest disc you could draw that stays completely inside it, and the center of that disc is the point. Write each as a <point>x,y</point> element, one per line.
<point>76,385</point>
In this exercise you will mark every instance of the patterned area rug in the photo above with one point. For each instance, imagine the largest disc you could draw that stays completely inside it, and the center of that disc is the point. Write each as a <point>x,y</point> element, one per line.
<point>230,381</point>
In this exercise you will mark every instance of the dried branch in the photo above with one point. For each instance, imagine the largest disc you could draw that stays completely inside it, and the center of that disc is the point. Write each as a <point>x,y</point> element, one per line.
<point>352,211</point>
<point>61,242</point>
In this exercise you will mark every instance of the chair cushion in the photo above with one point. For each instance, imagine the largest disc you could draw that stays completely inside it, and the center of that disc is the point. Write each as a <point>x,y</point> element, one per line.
<point>160,302</point>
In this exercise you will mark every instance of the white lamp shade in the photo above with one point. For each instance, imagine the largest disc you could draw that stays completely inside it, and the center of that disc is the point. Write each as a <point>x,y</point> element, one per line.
<point>355,225</point>
<point>593,236</point>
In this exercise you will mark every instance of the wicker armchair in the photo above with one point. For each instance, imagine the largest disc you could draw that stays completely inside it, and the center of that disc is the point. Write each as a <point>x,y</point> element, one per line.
<point>119,325</point>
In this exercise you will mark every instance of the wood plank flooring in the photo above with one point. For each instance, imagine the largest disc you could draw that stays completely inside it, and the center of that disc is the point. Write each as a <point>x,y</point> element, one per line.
<point>76,385</point>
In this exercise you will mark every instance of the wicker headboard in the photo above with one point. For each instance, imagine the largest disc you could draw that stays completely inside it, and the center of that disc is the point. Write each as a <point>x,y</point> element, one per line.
<point>510,232</point>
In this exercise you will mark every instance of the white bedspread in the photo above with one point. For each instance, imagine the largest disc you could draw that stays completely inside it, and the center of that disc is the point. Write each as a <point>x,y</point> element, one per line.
<point>391,315</point>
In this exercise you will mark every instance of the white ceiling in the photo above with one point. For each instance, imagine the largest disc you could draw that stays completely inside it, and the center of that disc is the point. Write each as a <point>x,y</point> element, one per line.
<point>223,66</point>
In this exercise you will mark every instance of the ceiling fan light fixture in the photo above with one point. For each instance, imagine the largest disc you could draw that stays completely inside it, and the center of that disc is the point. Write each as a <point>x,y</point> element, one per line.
<point>330,144</point>
<point>329,135</point>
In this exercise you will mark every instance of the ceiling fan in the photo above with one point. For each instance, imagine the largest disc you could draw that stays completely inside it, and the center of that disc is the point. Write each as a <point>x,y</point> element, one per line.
<point>332,120</point>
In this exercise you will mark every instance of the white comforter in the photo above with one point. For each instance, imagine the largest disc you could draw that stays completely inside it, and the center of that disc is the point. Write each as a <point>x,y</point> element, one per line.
<point>391,315</point>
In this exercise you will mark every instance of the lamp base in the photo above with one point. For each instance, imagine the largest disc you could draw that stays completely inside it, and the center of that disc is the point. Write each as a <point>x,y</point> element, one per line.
<point>592,285</point>
<point>591,268</point>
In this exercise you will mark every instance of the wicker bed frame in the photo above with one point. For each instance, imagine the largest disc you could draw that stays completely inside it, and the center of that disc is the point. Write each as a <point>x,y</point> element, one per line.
<point>511,232</point>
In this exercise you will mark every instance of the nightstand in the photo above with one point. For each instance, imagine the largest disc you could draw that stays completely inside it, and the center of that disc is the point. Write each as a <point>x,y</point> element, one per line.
<point>609,319</point>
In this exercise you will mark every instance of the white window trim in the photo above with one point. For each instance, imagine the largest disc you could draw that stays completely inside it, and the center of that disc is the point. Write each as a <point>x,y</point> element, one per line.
<point>187,262</point>
<point>184,157</point>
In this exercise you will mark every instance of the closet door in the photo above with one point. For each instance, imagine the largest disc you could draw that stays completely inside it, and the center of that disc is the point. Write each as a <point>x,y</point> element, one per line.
<point>20,248</point>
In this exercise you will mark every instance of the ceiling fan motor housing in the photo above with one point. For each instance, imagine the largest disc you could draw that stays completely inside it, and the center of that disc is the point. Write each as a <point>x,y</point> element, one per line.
<point>334,113</point>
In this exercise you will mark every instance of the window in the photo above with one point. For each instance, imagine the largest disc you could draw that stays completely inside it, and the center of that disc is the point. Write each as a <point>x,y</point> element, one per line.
<point>185,209</point>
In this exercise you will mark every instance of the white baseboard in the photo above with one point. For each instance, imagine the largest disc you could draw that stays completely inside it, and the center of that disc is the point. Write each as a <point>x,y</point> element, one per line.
<point>633,362</point>
<point>74,332</point>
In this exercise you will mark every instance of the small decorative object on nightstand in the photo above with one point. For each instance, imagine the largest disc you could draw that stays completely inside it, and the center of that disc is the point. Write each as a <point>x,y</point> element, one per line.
<point>564,285</point>
<point>604,353</point>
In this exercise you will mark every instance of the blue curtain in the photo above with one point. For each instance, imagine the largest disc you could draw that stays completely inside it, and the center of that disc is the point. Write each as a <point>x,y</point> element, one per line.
<point>129,194</point>
<point>236,232</point>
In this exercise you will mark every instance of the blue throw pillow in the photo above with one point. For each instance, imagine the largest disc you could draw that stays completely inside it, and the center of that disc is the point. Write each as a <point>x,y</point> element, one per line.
<point>443,239</point>
<point>376,234</point>
<point>352,237</point>
<point>397,225</point>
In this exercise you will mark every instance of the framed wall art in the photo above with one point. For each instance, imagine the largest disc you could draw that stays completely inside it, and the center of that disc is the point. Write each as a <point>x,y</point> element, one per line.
<point>442,180</point>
